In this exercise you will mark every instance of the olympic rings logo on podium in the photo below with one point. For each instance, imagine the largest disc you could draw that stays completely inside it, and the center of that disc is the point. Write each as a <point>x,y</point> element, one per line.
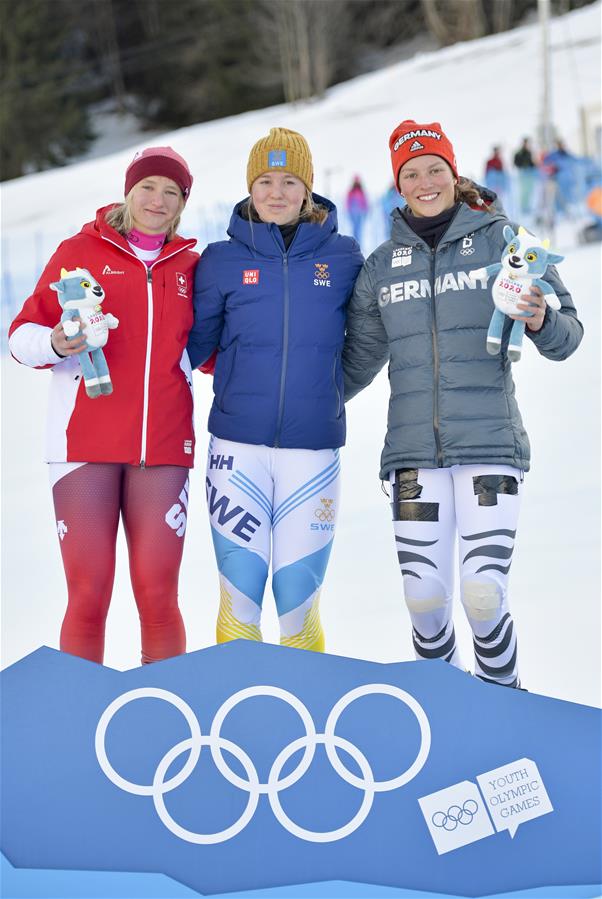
<point>275,784</point>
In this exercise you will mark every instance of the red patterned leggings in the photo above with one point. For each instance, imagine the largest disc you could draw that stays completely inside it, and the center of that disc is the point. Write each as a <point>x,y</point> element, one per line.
<point>152,502</point>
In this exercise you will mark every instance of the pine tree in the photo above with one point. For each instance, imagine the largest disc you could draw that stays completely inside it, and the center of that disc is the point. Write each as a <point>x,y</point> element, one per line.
<point>193,60</point>
<point>44,83</point>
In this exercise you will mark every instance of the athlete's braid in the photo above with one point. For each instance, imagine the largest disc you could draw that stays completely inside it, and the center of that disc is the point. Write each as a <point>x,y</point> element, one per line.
<point>467,192</point>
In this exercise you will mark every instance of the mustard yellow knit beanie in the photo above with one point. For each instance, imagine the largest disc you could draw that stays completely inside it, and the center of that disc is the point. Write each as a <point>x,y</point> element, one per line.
<point>281,151</point>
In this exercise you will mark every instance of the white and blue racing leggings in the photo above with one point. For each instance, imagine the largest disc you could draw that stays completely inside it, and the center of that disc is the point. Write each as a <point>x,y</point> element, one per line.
<point>481,503</point>
<point>265,501</point>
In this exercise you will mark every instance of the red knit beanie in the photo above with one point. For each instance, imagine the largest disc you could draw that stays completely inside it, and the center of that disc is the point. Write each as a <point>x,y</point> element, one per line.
<point>411,139</point>
<point>159,161</point>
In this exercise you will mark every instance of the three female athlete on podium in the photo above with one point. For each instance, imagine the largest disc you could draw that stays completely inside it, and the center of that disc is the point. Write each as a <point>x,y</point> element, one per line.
<point>294,323</point>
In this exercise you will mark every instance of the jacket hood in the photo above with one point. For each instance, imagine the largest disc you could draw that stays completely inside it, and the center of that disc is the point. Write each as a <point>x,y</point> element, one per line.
<point>100,229</point>
<point>265,239</point>
<point>464,222</point>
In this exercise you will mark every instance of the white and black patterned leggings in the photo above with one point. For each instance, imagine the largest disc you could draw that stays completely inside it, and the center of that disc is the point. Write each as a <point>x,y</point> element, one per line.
<point>480,503</point>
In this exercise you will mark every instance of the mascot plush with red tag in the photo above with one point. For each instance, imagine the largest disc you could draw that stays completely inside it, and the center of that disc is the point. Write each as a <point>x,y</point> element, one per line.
<point>80,296</point>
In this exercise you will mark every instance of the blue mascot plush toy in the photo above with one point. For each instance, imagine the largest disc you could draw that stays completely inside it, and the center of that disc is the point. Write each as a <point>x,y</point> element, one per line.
<point>524,260</point>
<point>80,296</point>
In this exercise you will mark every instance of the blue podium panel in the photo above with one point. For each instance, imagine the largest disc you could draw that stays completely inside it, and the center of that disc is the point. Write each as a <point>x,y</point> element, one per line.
<point>252,767</point>
<point>17,883</point>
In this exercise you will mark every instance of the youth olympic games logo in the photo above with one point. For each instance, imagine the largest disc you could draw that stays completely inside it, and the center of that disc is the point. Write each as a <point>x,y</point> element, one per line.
<point>160,786</point>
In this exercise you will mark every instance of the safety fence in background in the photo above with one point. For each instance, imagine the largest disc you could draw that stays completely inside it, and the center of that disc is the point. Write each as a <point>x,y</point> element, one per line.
<point>524,198</point>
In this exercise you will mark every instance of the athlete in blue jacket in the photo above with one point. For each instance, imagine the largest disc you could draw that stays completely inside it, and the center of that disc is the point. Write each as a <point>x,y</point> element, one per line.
<point>273,300</point>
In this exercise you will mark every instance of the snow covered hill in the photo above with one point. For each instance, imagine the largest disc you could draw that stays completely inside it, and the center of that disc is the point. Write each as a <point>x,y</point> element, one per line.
<point>555,585</point>
<point>471,88</point>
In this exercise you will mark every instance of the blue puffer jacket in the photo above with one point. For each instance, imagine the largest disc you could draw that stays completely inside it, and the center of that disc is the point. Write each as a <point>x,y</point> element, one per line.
<point>278,320</point>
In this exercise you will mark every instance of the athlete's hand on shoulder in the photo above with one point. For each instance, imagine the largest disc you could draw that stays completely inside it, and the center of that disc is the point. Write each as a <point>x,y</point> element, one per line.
<point>61,345</point>
<point>534,303</point>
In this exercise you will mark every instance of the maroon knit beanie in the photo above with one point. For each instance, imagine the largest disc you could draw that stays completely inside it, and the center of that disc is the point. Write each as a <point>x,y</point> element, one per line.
<point>159,161</point>
<point>411,139</point>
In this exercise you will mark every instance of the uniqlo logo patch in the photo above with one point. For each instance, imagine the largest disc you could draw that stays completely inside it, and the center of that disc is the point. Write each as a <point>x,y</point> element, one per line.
<point>250,276</point>
<point>182,283</point>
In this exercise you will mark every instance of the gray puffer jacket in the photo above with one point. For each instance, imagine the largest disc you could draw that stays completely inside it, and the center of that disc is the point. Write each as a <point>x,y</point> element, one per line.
<point>451,402</point>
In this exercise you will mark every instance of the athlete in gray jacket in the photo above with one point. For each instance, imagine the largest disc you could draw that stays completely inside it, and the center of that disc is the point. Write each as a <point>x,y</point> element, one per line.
<point>456,449</point>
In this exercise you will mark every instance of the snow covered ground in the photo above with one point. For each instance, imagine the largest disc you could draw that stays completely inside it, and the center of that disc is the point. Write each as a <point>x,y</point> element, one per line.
<point>555,584</point>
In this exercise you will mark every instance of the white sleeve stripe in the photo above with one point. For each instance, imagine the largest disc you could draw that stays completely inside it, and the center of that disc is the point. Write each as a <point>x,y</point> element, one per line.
<point>30,345</point>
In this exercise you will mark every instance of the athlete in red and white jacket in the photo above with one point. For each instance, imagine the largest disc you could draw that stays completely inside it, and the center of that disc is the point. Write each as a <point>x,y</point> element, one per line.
<point>128,452</point>
<point>148,417</point>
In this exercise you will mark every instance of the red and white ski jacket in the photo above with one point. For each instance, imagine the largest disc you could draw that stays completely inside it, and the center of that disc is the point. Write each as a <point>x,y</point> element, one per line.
<point>147,420</point>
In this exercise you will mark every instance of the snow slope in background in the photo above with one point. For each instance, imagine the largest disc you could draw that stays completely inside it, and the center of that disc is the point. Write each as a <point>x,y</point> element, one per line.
<point>555,583</point>
<point>483,92</point>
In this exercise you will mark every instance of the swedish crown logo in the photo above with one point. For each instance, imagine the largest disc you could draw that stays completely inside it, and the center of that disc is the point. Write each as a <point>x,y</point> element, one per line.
<point>321,274</point>
<point>326,513</point>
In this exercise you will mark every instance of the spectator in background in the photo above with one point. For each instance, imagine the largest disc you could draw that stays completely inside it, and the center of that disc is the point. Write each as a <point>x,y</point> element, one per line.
<point>496,178</point>
<point>559,167</point>
<point>389,202</point>
<point>593,230</point>
<point>357,208</point>
<point>527,176</point>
